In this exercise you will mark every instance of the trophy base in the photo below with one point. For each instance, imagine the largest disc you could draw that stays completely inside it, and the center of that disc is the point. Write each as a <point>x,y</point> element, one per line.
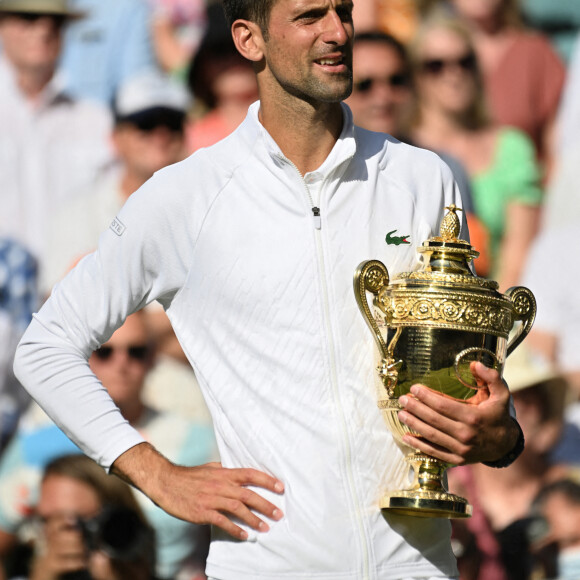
<point>428,496</point>
<point>426,504</point>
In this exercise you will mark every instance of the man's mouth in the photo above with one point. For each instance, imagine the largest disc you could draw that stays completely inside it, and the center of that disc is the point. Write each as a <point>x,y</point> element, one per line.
<point>330,60</point>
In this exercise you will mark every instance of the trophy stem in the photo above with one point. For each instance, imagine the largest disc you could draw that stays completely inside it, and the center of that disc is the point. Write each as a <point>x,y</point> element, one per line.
<point>428,496</point>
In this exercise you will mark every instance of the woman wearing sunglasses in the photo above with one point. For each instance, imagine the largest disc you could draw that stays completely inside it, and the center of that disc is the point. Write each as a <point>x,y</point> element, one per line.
<point>450,115</point>
<point>523,75</point>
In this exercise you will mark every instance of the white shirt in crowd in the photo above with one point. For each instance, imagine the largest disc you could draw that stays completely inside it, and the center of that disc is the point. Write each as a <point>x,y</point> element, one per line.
<point>50,152</point>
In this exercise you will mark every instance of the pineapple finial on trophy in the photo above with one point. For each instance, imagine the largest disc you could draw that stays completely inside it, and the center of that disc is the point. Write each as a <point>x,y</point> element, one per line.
<point>450,226</point>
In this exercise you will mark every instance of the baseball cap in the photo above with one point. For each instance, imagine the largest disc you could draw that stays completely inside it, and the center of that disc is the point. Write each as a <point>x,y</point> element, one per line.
<point>147,93</point>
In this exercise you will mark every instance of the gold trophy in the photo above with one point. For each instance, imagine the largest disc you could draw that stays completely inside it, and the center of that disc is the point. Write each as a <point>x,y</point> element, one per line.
<point>429,327</point>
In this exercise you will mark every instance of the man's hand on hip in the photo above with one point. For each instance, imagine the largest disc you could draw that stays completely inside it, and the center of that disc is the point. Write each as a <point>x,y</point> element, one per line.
<point>207,494</point>
<point>460,432</point>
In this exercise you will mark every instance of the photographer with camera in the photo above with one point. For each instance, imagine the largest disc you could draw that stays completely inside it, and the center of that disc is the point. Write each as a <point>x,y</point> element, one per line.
<point>88,526</point>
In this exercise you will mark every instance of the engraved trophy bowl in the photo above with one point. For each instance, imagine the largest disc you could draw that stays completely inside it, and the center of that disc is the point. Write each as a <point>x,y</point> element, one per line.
<point>429,327</point>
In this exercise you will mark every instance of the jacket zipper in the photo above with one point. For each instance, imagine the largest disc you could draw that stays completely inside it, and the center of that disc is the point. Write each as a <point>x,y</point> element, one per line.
<point>333,374</point>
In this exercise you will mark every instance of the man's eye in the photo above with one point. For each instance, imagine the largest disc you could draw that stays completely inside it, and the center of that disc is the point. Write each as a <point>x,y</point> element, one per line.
<point>344,11</point>
<point>311,15</point>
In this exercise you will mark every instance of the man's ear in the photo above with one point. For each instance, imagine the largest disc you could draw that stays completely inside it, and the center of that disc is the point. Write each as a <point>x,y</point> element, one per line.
<point>248,39</point>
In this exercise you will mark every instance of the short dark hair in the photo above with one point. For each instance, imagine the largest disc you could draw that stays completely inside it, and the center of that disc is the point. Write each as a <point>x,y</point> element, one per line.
<point>379,37</point>
<point>257,11</point>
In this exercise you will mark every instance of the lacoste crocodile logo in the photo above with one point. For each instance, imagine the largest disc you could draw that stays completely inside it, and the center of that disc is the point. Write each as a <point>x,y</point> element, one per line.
<point>396,240</point>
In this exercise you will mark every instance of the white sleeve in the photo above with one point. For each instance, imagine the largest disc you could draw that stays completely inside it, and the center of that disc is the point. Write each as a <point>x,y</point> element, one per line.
<point>141,257</point>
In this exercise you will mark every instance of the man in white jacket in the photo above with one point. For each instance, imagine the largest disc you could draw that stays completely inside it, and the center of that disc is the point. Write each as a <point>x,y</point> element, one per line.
<point>250,246</point>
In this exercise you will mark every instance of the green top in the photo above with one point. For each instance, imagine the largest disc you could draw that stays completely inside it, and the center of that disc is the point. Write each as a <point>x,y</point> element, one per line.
<point>514,176</point>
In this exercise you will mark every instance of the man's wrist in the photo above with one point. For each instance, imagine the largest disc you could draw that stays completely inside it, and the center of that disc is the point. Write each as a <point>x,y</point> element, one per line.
<point>512,455</point>
<point>140,466</point>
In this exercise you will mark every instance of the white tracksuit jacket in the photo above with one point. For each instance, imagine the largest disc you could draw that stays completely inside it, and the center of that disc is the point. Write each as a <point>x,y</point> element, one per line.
<point>260,294</point>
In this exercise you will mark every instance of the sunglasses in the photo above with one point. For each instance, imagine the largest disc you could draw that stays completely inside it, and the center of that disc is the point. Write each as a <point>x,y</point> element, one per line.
<point>436,66</point>
<point>394,81</point>
<point>149,125</point>
<point>149,120</point>
<point>136,352</point>
<point>32,17</point>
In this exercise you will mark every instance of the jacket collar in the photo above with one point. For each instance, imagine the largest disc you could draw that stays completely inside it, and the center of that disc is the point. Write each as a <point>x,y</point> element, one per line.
<point>343,150</point>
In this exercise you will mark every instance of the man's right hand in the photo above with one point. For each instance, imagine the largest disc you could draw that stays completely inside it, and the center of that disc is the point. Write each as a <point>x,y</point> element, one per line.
<point>207,494</point>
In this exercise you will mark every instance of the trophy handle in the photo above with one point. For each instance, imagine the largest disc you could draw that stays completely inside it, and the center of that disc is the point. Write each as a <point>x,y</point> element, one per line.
<point>524,304</point>
<point>371,275</point>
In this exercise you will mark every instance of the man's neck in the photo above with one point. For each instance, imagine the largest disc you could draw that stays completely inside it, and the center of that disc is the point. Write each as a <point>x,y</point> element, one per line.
<point>32,82</point>
<point>133,411</point>
<point>130,183</point>
<point>305,133</point>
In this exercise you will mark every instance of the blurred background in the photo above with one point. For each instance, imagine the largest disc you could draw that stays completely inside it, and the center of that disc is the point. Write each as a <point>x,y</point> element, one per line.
<point>98,95</point>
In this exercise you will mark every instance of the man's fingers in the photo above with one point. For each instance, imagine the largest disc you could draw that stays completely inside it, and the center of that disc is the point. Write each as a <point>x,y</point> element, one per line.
<point>241,512</point>
<point>221,521</point>
<point>490,378</point>
<point>434,438</point>
<point>437,451</point>
<point>432,408</point>
<point>240,499</point>
<point>249,476</point>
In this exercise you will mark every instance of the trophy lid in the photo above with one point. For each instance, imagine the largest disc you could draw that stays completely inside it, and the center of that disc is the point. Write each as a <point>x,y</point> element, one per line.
<point>447,252</point>
<point>447,257</point>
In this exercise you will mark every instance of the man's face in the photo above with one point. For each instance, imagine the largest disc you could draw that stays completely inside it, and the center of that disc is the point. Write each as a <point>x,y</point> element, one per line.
<point>563,517</point>
<point>62,496</point>
<point>147,150</point>
<point>31,42</point>
<point>122,363</point>
<point>381,89</point>
<point>308,49</point>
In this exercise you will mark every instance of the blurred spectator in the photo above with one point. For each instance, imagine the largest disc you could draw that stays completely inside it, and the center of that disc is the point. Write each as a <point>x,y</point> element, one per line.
<point>18,300</point>
<point>523,75</point>
<point>561,206</point>
<point>17,303</point>
<point>106,48</point>
<point>51,146</point>
<point>122,365</point>
<point>562,200</point>
<point>222,82</point>
<point>382,89</point>
<point>559,21</point>
<point>88,526</point>
<point>18,283</point>
<point>398,18</point>
<point>502,521</point>
<point>450,114</point>
<point>12,399</point>
<point>553,278</point>
<point>559,505</point>
<point>568,127</point>
<point>148,135</point>
<point>177,30</point>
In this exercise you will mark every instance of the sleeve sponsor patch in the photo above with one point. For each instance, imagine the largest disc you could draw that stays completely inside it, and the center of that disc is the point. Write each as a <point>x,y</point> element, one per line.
<point>118,226</point>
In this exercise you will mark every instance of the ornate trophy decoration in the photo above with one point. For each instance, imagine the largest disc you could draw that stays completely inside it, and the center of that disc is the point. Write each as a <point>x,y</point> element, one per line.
<point>429,327</point>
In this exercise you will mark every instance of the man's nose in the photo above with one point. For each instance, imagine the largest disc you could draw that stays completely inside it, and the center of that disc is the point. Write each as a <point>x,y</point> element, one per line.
<point>337,31</point>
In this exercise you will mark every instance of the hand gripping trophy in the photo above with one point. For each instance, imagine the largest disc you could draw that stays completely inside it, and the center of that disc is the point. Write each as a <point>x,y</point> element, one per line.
<point>429,327</point>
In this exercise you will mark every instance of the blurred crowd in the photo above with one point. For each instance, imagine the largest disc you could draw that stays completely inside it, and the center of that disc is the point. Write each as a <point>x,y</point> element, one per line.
<point>96,96</point>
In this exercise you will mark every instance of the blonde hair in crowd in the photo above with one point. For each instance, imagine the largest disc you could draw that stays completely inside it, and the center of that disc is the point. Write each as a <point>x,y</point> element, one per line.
<point>477,116</point>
